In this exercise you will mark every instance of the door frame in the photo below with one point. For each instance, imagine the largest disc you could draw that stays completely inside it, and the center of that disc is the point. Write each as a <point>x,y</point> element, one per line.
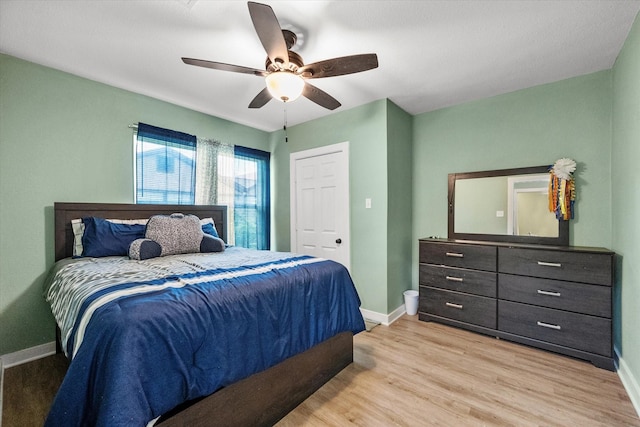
<point>512,196</point>
<point>341,147</point>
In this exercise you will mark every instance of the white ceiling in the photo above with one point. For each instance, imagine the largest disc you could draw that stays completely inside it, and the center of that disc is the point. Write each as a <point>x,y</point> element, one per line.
<point>432,54</point>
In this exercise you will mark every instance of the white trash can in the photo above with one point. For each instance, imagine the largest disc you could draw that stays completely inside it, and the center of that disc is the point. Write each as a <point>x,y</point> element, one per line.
<point>411,302</point>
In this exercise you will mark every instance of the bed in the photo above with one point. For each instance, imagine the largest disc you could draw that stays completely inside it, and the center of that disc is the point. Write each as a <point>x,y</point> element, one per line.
<point>142,359</point>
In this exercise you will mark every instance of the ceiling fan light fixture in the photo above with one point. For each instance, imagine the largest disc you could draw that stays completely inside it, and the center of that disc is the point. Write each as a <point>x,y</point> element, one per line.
<point>285,86</point>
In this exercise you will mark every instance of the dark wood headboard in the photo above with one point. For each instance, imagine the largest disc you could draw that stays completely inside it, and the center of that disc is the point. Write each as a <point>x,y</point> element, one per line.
<point>65,212</point>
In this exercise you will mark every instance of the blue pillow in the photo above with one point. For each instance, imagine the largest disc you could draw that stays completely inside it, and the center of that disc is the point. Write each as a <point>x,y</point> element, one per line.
<point>104,238</point>
<point>210,229</point>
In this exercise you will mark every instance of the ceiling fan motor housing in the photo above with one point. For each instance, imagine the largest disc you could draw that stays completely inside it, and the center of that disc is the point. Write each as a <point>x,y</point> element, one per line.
<point>295,60</point>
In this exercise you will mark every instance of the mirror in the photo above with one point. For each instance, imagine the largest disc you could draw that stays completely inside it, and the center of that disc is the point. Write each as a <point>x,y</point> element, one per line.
<point>508,205</point>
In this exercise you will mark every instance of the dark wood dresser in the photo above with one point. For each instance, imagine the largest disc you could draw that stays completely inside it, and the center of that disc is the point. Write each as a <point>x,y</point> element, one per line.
<point>558,298</point>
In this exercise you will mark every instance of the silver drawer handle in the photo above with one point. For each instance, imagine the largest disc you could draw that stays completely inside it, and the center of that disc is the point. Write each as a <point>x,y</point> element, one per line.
<point>549,325</point>
<point>450,304</point>
<point>454,279</point>
<point>549,293</point>
<point>550,264</point>
<point>455,254</point>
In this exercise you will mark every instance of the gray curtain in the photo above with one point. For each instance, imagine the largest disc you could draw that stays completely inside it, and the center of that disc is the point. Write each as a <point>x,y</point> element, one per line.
<point>215,177</point>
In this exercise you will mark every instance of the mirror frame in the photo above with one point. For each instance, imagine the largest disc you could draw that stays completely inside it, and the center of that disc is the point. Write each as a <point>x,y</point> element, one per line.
<point>563,226</point>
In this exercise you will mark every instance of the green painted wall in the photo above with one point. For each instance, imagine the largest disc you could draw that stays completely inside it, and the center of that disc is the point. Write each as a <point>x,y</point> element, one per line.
<point>365,128</point>
<point>65,138</point>
<point>531,127</point>
<point>625,201</point>
<point>400,176</point>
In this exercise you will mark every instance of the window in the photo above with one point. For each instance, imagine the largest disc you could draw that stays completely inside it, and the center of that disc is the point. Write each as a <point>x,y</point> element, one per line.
<point>177,168</point>
<point>165,166</point>
<point>251,198</point>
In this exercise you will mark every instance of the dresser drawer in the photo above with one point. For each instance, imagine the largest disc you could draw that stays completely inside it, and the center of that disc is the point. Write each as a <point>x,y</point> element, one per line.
<point>580,331</point>
<point>576,297</point>
<point>585,267</point>
<point>466,308</point>
<point>459,279</point>
<point>456,255</point>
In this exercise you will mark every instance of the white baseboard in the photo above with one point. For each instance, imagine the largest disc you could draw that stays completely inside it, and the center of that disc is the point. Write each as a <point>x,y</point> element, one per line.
<point>630,383</point>
<point>383,319</point>
<point>27,355</point>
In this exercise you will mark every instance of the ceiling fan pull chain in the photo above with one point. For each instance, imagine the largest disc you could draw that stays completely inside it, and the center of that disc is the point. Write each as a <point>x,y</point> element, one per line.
<point>284,126</point>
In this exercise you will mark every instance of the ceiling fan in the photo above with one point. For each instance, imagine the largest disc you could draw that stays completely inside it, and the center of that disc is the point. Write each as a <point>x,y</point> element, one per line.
<point>285,73</point>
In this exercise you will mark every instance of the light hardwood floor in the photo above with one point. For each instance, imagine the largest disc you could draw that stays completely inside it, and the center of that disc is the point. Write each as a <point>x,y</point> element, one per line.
<point>425,374</point>
<point>413,373</point>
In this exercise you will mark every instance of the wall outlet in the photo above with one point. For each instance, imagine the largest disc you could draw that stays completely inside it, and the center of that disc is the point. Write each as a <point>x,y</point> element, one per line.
<point>367,203</point>
<point>499,214</point>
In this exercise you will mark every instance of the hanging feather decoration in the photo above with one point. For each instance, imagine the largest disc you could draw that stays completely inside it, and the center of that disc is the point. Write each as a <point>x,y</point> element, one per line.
<point>562,188</point>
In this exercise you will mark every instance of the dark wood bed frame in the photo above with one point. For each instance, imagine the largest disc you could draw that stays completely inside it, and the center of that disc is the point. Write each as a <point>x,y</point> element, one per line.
<point>259,400</point>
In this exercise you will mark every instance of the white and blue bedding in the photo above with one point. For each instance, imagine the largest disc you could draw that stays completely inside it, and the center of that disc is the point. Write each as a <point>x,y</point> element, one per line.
<point>146,336</point>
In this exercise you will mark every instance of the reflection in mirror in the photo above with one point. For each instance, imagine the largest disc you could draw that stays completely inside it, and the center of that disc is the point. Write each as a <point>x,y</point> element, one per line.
<point>513,205</point>
<point>528,206</point>
<point>504,205</point>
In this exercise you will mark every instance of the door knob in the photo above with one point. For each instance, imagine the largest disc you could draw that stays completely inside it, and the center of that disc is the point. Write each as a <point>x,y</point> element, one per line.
<point>338,241</point>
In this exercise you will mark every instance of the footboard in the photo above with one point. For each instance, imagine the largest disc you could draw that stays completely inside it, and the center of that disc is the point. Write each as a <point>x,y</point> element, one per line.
<point>264,398</point>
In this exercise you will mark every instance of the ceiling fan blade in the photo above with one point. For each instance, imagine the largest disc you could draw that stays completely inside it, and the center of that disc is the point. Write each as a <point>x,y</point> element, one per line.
<point>261,99</point>
<point>320,97</point>
<point>339,66</point>
<point>224,67</point>
<point>269,32</point>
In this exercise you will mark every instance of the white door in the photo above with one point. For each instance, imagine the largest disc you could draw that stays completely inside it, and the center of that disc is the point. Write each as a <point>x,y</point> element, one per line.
<point>320,202</point>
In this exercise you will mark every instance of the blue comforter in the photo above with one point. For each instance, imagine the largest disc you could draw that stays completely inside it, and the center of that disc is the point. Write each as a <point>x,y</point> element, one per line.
<point>141,347</point>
